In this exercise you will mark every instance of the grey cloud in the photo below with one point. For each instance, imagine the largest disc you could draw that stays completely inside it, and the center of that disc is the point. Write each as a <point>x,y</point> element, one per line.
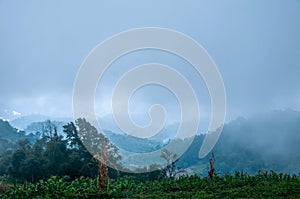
<point>255,44</point>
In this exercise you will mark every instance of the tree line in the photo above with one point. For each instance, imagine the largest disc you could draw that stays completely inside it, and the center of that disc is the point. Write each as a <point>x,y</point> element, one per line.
<point>64,154</point>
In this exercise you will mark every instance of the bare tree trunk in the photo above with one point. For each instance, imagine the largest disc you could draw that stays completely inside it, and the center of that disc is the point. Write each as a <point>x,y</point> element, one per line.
<point>211,171</point>
<point>102,175</point>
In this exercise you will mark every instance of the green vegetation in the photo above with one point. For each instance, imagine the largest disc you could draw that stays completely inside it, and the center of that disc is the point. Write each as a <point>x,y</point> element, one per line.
<point>268,142</point>
<point>9,136</point>
<point>52,154</point>
<point>262,185</point>
<point>56,164</point>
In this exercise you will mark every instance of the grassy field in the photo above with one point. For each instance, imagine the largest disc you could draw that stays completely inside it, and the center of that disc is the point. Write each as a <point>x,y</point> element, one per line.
<point>262,185</point>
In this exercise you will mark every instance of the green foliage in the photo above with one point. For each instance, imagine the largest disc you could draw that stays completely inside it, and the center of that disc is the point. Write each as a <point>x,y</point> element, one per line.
<point>266,142</point>
<point>52,154</point>
<point>58,153</point>
<point>97,142</point>
<point>9,136</point>
<point>240,185</point>
<point>54,187</point>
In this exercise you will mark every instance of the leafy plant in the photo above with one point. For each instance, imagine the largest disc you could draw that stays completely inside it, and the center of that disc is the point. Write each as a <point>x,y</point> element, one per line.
<point>240,185</point>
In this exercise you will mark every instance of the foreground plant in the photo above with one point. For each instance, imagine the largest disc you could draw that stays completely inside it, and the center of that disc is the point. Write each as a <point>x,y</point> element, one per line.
<point>263,185</point>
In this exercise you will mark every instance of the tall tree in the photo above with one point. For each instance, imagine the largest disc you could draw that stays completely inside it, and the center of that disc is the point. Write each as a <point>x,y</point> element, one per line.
<point>97,143</point>
<point>80,159</point>
<point>103,150</point>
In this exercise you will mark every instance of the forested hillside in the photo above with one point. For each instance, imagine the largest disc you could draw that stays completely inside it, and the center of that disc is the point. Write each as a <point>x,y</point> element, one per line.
<point>266,142</point>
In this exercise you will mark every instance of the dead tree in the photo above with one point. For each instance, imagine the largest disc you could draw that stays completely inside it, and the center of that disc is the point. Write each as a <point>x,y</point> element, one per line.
<point>211,171</point>
<point>170,171</point>
<point>102,168</point>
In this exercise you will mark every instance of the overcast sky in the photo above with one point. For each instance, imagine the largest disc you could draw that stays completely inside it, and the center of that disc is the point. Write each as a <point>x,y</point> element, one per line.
<point>254,43</point>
